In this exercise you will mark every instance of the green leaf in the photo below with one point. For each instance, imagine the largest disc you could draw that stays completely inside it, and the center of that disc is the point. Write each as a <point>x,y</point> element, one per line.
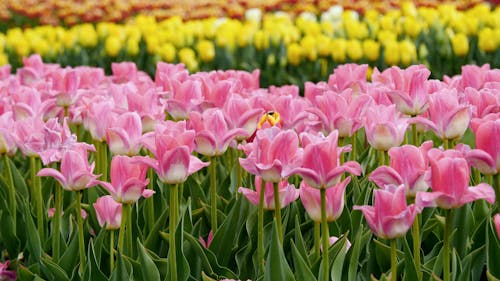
<point>410,269</point>
<point>276,265</point>
<point>69,260</point>
<point>52,270</point>
<point>149,270</point>
<point>493,253</point>
<point>358,244</point>
<point>34,243</point>
<point>153,235</point>
<point>468,262</point>
<point>123,271</point>
<point>301,267</point>
<point>301,245</point>
<point>338,261</point>
<point>93,272</point>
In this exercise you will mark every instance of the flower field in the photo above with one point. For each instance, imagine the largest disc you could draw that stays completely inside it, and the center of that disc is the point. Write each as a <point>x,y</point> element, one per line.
<point>223,140</point>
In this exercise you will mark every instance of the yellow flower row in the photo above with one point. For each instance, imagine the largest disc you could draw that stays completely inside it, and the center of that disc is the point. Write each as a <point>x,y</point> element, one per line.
<point>339,35</point>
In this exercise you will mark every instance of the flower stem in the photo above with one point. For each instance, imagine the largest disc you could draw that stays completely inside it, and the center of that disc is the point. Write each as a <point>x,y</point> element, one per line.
<point>394,268</point>
<point>414,135</point>
<point>381,159</point>
<point>260,229</point>
<point>172,226</point>
<point>239,180</point>
<point>36,187</point>
<point>56,235</point>
<point>354,149</point>
<point>81,245</point>
<point>213,193</point>
<point>277,210</point>
<point>104,161</point>
<point>497,189</point>
<point>446,251</point>
<point>111,250</point>
<point>416,245</point>
<point>325,235</point>
<point>317,239</point>
<point>12,191</point>
<point>446,144</point>
<point>150,208</point>
<point>123,227</point>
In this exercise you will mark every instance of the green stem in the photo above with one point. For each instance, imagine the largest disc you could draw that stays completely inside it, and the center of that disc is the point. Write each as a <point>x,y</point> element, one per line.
<point>277,210</point>
<point>317,239</point>
<point>446,144</point>
<point>260,229</point>
<point>104,161</point>
<point>150,208</point>
<point>172,226</point>
<point>325,235</point>
<point>12,191</point>
<point>394,268</point>
<point>81,245</point>
<point>416,245</point>
<point>56,235</point>
<point>123,227</point>
<point>497,189</point>
<point>36,187</point>
<point>446,251</point>
<point>213,193</point>
<point>111,250</point>
<point>354,147</point>
<point>341,156</point>
<point>128,237</point>
<point>239,180</point>
<point>381,159</point>
<point>414,135</point>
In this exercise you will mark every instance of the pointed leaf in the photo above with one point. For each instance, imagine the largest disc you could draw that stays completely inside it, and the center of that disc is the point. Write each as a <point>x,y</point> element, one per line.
<point>277,267</point>
<point>302,269</point>
<point>149,270</point>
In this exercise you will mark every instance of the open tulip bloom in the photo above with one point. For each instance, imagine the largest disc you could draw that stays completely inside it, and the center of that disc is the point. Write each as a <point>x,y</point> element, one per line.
<point>287,193</point>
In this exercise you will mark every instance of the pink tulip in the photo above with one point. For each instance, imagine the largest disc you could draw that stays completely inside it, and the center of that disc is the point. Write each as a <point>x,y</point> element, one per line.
<point>409,167</point>
<point>5,71</point>
<point>287,193</point>
<point>273,154</point>
<point>207,243</point>
<point>184,97</point>
<point>172,147</point>
<point>389,217</point>
<point>349,76</point>
<point>344,112</point>
<point>66,85</point>
<point>5,274</point>
<point>7,140</point>
<point>385,127</point>
<point>321,166</point>
<point>446,117</point>
<point>128,180</point>
<point>450,176</point>
<point>58,139</point>
<point>487,133</point>
<point>478,159</point>
<point>406,88</point>
<point>484,101</point>
<point>213,134</point>
<point>99,117</point>
<point>293,112</point>
<point>166,73</point>
<point>240,114</point>
<point>124,137</point>
<point>109,212</point>
<point>76,173</point>
<point>29,136</point>
<point>496,220</point>
<point>310,198</point>
<point>123,71</point>
<point>334,239</point>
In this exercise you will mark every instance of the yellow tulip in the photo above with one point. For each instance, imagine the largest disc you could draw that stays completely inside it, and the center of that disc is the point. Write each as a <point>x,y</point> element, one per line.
<point>354,50</point>
<point>308,45</point>
<point>294,54</point>
<point>133,47</point>
<point>167,52</point>
<point>338,47</point>
<point>4,59</point>
<point>261,40</point>
<point>187,57</point>
<point>206,50</point>
<point>487,41</point>
<point>408,52</point>
<point>460,44</point>
<point>112,46</point>
<point>371,49</point>
<point>87,35</point>
<point>391,53</point>
<point>412,27</point>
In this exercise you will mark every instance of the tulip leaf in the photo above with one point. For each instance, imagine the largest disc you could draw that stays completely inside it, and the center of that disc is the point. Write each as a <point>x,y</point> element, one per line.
<point>19,182</point>
<point>277,267</point>
<point>493,252</point>
<point>149,270</point>
<point>52,270</point>
<point>410,270</point>
<point>299,240</point>
<point>468,263</point>
<point>34,244</point>
<point>123,269</point>
<point>154,234</point>
<point>338,260</point>
<point>69,260</point>
<point>224,235</point>
<point>301,267</point>
<point>360,241</point>
<point>93,272</point>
